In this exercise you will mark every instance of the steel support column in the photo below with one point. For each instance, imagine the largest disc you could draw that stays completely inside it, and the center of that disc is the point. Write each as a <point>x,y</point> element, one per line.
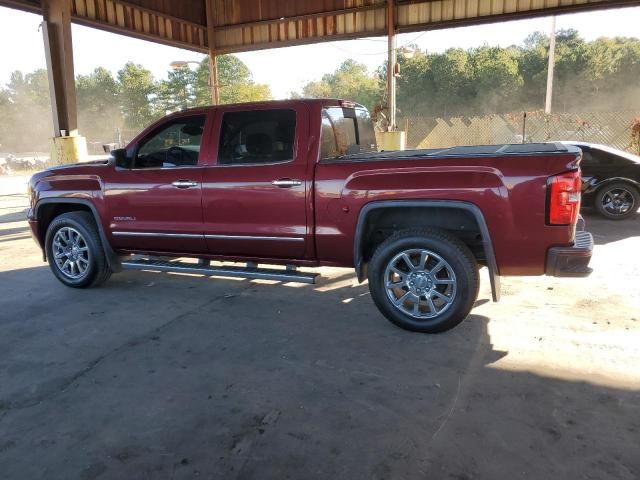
<point>213,60</point>
<point>391,64</point>
<point>551,67</point>
<point>56,30</point>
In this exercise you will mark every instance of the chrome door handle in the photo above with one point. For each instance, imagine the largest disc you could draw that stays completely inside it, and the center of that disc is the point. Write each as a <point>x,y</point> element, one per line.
<point>287,182</point>
<point>184,184</point>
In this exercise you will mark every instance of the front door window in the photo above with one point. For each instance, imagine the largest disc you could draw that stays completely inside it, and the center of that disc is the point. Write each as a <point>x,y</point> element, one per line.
<point>176,144</point>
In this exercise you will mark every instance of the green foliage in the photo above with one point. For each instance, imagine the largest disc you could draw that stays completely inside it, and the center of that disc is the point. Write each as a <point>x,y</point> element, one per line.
<point>136,92</point>
<point>98,107</point>
<point>350,81</point>
<point>178,91</point>
<point>598,75</point>
<point>495,71</point>
<point>25,111</point>
<point>635,136</point>
<point>129,102</point>
<point>235,82</point>
<point>97,91</point>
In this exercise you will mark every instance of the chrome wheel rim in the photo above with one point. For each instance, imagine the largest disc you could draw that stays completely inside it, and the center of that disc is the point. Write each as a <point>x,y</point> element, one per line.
<point>71,253</point>
<point>420,283</point>
<point>618,201</point>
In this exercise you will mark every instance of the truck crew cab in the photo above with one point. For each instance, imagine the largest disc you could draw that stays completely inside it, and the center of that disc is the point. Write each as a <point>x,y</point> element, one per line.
<point>300,183</point>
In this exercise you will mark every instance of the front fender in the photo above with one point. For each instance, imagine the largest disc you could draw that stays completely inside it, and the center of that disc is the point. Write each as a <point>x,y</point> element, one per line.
<point>36,214</point>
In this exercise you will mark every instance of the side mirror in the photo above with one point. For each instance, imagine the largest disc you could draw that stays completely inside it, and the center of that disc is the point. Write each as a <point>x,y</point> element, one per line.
<point>119,158</point>
<point>109,147</point>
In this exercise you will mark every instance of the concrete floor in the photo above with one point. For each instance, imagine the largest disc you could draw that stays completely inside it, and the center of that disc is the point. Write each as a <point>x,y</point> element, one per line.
<point>158,376</point>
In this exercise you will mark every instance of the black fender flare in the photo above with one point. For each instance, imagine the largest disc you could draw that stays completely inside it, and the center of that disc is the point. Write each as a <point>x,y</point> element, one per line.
<point>494,274</point>
<point>112,258</point>
<point>597,185</point>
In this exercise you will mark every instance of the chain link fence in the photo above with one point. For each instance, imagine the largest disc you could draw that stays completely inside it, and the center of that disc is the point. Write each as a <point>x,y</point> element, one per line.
<point>615,129</point>
<point>618,129</point>
<point>116,138</point>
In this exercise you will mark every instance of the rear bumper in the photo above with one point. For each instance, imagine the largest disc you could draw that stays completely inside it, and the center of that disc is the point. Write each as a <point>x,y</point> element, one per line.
<point>571,261</point>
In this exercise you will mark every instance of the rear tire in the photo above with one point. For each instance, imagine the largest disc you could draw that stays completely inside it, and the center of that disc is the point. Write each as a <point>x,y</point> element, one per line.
<point>75,252</point>
<point>617,201</point>
<point>424,280</point>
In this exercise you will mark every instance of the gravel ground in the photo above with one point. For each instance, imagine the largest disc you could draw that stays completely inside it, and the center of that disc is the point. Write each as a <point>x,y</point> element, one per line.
<point>159,376</point>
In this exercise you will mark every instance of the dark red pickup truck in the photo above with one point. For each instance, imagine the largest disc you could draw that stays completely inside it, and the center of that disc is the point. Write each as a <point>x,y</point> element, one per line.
<point>301,183</point>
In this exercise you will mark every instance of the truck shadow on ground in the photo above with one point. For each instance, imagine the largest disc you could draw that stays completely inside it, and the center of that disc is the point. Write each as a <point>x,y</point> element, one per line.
<point>19,233</point>
<point>13,216</point>
<point>170,377</point>
<point>607,231</point>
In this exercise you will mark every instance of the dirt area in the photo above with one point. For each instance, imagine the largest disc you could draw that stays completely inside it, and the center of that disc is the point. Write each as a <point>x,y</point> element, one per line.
<point>157,376</point>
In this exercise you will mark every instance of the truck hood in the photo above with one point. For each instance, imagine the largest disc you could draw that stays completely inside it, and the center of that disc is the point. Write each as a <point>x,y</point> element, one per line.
<point>83,168</point>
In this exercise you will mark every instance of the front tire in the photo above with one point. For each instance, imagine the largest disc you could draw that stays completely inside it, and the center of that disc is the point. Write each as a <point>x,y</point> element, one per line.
<point>74,251</point>
<point>617,201</point>
<point>424,280</point>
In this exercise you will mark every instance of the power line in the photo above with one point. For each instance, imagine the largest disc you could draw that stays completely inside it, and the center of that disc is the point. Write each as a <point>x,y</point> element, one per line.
<point>334,45</point>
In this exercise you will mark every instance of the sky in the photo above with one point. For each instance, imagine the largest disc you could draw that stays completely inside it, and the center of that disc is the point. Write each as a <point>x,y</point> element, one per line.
<point>286,70</point>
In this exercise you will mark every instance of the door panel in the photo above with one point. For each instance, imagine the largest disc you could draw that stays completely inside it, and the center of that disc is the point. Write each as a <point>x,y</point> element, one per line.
<point>258,209</point>
<point>156,205</point>
<point>149,213</point>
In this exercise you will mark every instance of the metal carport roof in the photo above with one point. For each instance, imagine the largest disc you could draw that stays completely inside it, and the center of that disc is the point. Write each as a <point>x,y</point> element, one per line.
<point>242,25</point>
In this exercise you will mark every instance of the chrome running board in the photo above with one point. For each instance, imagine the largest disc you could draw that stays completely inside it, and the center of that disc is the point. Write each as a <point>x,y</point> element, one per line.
<point>290,274</point>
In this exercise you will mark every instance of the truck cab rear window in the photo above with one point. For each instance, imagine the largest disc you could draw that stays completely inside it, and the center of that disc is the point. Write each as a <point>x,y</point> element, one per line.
<point>257,137</point>
<point>346,131</point>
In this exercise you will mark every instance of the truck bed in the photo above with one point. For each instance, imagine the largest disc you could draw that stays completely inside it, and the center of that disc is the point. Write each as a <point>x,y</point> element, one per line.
<point>460,152</point>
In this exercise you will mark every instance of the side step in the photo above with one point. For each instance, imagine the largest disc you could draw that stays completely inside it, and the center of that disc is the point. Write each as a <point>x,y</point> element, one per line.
<point>290,274</point>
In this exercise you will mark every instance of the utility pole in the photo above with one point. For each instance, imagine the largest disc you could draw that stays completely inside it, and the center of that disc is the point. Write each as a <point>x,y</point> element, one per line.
<point>552,63</point>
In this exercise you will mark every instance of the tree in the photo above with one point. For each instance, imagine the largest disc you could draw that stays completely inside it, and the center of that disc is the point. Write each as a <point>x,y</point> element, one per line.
<point>533,68</point>
<point>496,78</point>
<point>235,82</point>
<point>178,91</point>
<point>416,83</point>
<point>598,75</point>
<point>97,91</point>
<point>350,81</point>
<point>26,111</point>
<point>98,105</point>
<point>136,94</point>
<point>452,74</point>
<point>571,83</point>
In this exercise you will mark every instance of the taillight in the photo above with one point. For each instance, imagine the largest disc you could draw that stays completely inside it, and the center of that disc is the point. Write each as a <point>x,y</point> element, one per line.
<point>564,198</point>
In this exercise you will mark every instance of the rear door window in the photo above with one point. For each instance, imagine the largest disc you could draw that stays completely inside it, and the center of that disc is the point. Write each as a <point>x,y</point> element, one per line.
<point>257,137</point>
